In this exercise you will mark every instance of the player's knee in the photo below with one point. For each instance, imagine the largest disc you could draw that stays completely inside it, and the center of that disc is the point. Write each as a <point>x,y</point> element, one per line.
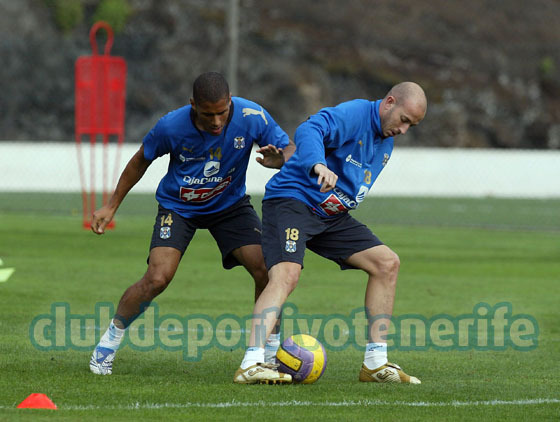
<point>395,263</point>
<point>387,266</point>
<point>290,279</point>
<point>390,265</point>
<point>284,277</point>
<point>155,283</point>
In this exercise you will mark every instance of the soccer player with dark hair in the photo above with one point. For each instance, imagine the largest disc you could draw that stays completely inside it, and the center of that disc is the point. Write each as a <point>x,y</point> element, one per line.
<point>209,143</point>
<point>340,152</point>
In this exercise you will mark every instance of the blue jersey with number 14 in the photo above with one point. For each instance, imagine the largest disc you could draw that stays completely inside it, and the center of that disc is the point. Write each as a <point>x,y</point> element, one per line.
<point>206,173</point>
<point>348,139</point>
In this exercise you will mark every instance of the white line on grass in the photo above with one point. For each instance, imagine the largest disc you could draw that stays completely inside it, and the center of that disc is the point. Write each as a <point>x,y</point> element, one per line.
<point>296,403</point>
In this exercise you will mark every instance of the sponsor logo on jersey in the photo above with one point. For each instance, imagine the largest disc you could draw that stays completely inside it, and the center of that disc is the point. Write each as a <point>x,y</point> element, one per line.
<point>350,160</point>
<point>165,232</point>
<point>252,112</point>
<point>362,194</point>
<point>385,159</point>
<point>203,194</point>
<point>290,246</point>
<point>332,205</point>
<point>201,180</point>
<point>211,168</point>
<point>239,142</point>
<point>350,203</point>
<point>183,159</point>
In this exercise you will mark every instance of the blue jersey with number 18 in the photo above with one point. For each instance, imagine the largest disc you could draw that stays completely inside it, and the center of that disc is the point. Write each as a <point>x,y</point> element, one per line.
<point>206,173</point>
<point>348,139</point>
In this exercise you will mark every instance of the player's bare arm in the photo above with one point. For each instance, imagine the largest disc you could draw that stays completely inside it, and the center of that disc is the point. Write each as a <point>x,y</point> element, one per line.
<point>132,173</point>
<point>326,178</point>
<point>289,150</point>
<point>275,157</point>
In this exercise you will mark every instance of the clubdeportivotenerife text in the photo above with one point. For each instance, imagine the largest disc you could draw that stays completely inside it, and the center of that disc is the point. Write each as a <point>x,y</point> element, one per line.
<point>486,328</point>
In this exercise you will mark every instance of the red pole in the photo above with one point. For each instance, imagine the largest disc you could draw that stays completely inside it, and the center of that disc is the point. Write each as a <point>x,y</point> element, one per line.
<point>92,178</point>
<point>82,181</point>
<point>105,127</point>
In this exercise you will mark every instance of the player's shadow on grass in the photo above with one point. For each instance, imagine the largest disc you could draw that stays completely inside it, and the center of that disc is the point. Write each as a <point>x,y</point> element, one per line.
<point>214,367</point>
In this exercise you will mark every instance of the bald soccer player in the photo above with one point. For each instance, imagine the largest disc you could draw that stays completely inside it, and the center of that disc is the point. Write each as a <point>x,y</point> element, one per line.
<point>340,151</point>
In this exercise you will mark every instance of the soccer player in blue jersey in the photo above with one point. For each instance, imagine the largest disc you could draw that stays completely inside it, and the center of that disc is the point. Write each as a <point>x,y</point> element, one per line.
<point>340,152</point>
<point>209,143</point>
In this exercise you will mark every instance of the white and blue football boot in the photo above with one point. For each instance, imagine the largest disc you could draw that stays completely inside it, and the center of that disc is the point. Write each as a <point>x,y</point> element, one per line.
<point>101,362</point>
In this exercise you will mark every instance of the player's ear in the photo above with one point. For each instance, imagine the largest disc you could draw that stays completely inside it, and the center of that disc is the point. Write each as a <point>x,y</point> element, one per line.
<point>388,103</point>
<point>193,103</point>
<point>391,100</point>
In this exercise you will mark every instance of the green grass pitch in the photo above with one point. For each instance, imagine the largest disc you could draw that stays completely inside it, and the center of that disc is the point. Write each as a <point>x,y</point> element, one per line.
<point>455,254</point>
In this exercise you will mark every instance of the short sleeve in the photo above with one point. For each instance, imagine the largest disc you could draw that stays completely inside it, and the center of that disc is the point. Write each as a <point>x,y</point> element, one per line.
<point>272,133</point>
<point>156,142</point>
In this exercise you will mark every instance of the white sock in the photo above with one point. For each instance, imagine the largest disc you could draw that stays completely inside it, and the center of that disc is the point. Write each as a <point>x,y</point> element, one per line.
<point>271,347</point>
<point>112,337</point>
<point>376,355</point>
<point>253,355</point>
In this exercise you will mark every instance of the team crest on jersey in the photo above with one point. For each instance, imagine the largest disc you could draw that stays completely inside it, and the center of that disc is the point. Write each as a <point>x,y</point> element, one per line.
<point>385,159</point>
<point>165,232</point>
<point>239,142</point>
<point>211,168</point>
<point>290,246</point>
<point>332,205</point>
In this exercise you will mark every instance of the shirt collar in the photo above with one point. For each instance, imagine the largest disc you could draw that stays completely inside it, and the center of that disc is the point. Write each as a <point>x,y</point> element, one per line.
<point>375,119</point>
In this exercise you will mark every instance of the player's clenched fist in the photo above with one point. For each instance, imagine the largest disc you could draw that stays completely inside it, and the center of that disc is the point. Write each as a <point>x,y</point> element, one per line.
<point>101,218</point>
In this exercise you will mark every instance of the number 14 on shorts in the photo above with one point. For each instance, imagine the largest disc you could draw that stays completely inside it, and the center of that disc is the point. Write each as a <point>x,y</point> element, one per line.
<point>165,231</point>
<point>166,220</point>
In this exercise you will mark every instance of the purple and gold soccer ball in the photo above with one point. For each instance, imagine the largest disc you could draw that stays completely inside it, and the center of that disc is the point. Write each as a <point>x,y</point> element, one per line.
<point>303,357</point>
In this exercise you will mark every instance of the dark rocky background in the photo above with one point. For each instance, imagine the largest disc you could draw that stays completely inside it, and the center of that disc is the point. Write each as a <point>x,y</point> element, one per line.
<point>491,68</point>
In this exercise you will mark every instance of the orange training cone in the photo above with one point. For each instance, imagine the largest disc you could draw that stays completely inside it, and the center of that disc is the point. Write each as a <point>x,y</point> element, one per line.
<point>37,401</point>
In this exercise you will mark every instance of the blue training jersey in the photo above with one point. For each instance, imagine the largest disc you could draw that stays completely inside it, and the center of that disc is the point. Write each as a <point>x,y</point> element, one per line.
<point>206,173</point>
<point>347,139</point>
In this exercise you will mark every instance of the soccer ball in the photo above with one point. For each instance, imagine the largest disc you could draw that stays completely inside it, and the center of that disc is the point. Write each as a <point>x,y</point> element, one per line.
<point>303,357</point>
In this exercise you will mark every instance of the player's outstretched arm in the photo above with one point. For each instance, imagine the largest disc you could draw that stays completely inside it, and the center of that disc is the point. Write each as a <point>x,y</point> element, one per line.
<point>326,178</point>
<point>275,157</point>
<point>132,173</point>
<point>289,150</point>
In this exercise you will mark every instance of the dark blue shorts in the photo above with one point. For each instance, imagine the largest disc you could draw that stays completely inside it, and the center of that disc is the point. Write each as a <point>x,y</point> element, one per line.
<point>236,226</point>
<point>290,226</point>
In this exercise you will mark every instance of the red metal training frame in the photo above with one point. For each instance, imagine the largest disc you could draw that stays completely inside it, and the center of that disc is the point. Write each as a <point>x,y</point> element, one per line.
<point>100,92</point>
